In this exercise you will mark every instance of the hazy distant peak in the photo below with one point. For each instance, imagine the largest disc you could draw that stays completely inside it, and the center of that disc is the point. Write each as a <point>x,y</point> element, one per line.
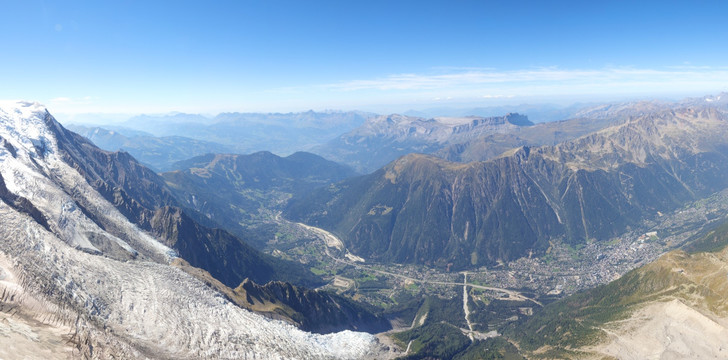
<point>518,119</point>
<point>720,98</point>
<point>392,119</point>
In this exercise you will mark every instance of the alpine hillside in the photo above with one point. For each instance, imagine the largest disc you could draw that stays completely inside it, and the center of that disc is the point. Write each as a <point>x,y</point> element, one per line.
<point>424,210</point>
<point>672,308</point>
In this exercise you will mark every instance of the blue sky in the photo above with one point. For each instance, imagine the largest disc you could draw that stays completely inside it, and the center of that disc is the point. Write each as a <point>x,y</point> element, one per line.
<point>154,56</point>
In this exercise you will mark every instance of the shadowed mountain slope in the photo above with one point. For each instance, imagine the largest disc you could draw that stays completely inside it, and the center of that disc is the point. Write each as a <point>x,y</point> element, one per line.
<point>143,197</point>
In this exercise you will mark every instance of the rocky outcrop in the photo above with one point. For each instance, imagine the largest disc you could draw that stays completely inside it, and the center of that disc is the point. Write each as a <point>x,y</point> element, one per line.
<point>223,255</point>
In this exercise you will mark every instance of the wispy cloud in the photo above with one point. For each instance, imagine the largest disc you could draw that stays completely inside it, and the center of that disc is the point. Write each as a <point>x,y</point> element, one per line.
<point>63,100</point>
<point>541,78</point>
<point>68,104</point>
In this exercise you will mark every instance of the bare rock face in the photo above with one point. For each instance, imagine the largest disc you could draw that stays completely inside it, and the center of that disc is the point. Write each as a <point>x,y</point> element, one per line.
<point>420,209</point>
<point>21,204</point>
<point>223,255</point>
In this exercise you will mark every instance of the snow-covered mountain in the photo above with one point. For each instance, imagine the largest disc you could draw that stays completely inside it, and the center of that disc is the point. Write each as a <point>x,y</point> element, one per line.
<point>72,288</point>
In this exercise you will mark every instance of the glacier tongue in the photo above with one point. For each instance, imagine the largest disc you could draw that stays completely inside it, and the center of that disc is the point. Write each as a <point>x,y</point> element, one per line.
<point>129,305</point>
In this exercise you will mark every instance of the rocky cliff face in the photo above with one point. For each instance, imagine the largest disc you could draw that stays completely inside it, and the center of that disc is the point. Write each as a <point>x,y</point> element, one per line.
<point>489,146</point>
<point>420,209</point>
<point>21,204</point>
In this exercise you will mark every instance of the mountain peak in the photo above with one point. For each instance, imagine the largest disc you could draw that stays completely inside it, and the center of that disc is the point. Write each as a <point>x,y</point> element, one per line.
<point>21,107</point>
<point>23,124</point>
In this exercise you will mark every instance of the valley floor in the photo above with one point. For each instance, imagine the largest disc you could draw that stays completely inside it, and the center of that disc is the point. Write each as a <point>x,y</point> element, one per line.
<point>525,285</point>
<point>562,271</point>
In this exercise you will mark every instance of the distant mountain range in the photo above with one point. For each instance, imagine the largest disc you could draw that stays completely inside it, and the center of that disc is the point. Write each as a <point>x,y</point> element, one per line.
<point>538,113</point>
<point>384,138</point>
<point>240,133</point>
<point>161,141</point>
<point>363,141</point>
<point>478,134</point>
<point>158,153</point>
